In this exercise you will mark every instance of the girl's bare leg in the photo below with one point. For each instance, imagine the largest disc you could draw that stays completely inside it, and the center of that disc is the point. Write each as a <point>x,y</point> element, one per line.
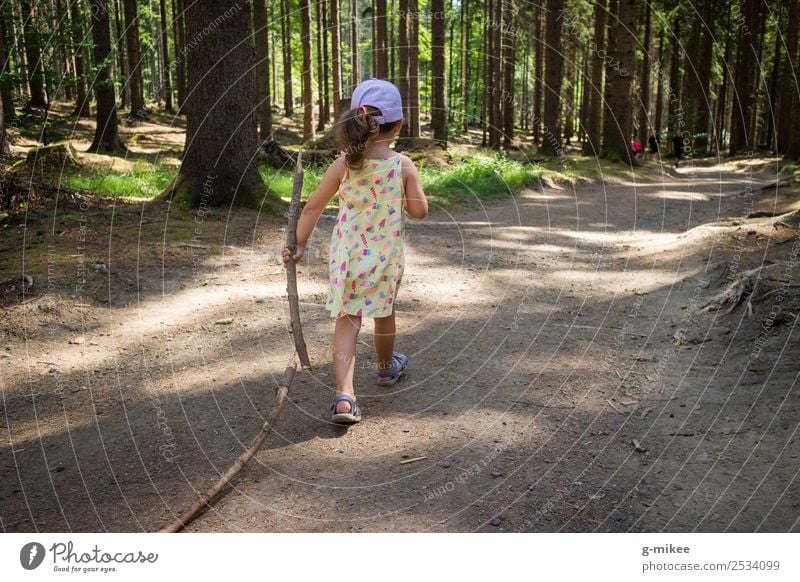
<point>385,330</point>
<point>345,336</point>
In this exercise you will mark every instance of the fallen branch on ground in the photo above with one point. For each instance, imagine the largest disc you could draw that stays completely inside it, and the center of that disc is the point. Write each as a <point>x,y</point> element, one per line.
<point>282,393</point>
<point>242,460</point>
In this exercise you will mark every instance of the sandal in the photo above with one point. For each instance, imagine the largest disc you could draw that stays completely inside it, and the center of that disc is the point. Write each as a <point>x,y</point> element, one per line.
<point>392,376</point>
<point>351,416</point>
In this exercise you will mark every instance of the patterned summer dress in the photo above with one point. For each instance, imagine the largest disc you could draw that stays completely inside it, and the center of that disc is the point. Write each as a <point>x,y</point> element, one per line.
<point>367,247</point>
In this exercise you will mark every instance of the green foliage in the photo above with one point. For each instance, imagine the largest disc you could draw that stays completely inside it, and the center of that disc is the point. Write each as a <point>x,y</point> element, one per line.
<point>148,16</point>
<point>144,181</point>
<point>699,144</point>
<point>481,175</point>
<point>484,175</point>
<point>282,181</point>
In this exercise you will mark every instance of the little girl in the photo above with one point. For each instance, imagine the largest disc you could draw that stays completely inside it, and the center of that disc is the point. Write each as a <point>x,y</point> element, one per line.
<point>375,185</point>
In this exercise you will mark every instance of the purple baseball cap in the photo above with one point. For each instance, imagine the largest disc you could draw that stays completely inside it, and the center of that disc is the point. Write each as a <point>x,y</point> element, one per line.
<point>381,94</point>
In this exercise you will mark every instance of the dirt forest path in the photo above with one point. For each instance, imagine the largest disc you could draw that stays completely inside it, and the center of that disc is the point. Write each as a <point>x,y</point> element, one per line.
<point>562,378</point>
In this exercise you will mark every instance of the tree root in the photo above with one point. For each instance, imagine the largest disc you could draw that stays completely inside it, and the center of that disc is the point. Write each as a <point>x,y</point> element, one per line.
<point>52,157</point>
<point>756,285</point>
<point>12,284</point>
<point>277,156</point>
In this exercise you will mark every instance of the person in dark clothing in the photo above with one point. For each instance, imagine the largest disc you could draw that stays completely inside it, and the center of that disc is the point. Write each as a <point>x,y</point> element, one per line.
<point>677,146</point>
<point>653,143</point>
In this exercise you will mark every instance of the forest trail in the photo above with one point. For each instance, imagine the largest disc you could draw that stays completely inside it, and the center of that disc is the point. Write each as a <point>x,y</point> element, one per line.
<point>547,390</point>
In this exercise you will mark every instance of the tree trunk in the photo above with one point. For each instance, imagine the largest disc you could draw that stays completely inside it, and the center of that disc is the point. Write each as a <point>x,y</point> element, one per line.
<point>689,81</point>
<point>336,59</point>
<point>496,79</point>
<point>273,61</point>
<point>719,125</point>
<point>392,42</point>
<point>438,107</point>
<point>509,64</point>
<point>644,110</point>
<point>166,69</point>
<point>355,36</point>
<point>381,60</point>
<point>122,59</point>
<point>413,66</point>
<point>59,43</point>
<point>82,101</point>
<point>568,97</point>
<point>451,62</point>
<point>5,150</point>
<point>753,125</point>
<point>702,97</point>
<point>308,96</point>
<point>321,73</point>
<point>326,86</point>
<point>466,53</point>
<point>178,32</point>
<point>404,75</point>
<point>485,75</point>
<point>16,51</point>
<point>33,55</point>
<point>218,166</point>
<point>106,135</point>
<point>793,151</point>
<point>537,73</point>
<point>551,133</point>
<point>153,69</point>
<point>425,81</point>
<point>261,42</point>
<point>618,127</point>
<point>286,35</point>
<point>373,52</point>
<point>788,92</point>
<point>525,103</point>
<point>771,96</point>
<point>135,80</point>
<point>659,85</point>
<point>675,68</point>
<point>586,92</point>
<point>6,89</point>
<point>743,102</point>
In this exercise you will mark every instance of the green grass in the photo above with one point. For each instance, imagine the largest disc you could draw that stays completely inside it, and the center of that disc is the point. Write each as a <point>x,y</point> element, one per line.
<point>144,181</point>
<point>587,167</point>
<point>481,175</point>
<point>149,180</point>
<point>282,181</point>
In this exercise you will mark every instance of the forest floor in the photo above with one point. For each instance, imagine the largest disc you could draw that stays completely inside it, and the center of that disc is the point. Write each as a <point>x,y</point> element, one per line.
<point>563,375</point>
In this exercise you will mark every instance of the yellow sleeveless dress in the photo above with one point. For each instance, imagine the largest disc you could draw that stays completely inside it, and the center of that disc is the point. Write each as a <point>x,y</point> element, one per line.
<point>367,250</point>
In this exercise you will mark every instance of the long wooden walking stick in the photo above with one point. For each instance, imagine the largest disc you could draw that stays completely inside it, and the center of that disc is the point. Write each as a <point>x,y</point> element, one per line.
<point>291,266</point>
<point>282,392</point>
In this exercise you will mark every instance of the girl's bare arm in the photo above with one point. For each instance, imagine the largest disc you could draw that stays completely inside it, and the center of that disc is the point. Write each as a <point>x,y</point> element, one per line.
<point>326,190</point>
<point>414,200</point>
